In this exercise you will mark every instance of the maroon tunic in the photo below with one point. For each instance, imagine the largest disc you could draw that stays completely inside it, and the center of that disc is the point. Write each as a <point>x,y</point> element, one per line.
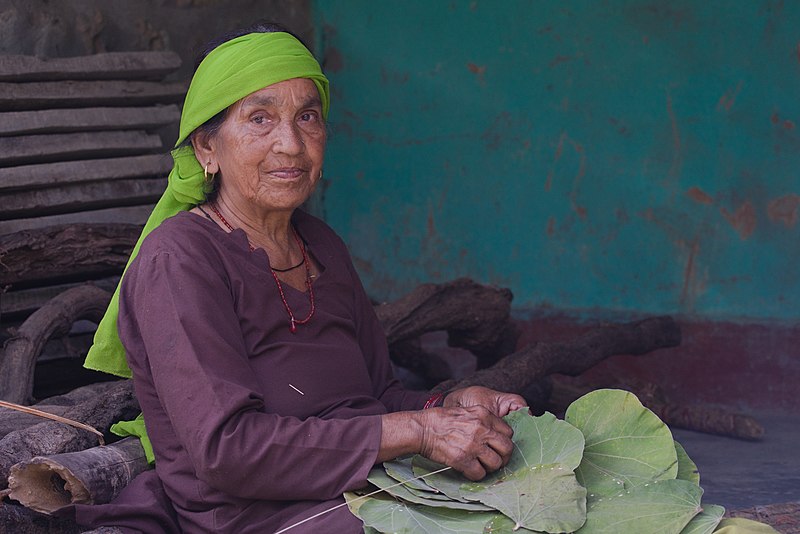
<point>217,373</point>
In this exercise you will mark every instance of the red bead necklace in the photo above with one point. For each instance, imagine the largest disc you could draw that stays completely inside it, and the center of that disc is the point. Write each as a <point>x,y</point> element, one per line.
<point>292,321</point>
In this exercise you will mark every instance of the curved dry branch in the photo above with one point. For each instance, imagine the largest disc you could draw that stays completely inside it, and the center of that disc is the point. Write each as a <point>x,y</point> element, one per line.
<point>54,318</point>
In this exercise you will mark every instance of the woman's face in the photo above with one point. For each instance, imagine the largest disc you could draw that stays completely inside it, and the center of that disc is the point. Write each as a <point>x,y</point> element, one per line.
<point>269,149</point>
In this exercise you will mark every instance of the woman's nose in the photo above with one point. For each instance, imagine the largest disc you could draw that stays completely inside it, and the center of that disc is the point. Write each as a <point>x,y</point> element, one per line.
<point>289,139</point>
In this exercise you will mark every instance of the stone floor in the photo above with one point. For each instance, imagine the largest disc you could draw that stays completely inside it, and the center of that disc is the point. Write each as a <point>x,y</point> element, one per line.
<point>741,474</point>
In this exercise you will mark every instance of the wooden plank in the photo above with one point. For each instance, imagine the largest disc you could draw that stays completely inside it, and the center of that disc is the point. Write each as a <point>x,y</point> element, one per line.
<point>80,197</point>
<point>107,66</point>
<point>129,214</point>
<point>23,149</point>
<point>65,253</point>
<point>26,301</point>
<point>42,95</point>
<point>72,172</point>
<point>52,121</point>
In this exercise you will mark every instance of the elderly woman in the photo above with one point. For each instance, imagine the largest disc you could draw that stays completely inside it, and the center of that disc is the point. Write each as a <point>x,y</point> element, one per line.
<point>259,364</point>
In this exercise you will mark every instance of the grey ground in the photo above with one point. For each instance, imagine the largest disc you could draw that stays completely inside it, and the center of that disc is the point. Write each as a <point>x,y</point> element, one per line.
<point>741,474</point>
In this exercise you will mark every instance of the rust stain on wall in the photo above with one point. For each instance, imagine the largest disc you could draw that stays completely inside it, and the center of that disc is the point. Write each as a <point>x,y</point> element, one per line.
<point>743,219</point>
<point>551,225</point>
<point>784,209</point>
<point>478,70</point>
<point>727,100</point>
<point>579,150</point>
<point>698,195</point>
<point>689,271</point>
<point>333,61</point>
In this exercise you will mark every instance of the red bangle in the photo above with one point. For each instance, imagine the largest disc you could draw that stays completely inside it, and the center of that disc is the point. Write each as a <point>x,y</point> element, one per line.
<point>433,400</point>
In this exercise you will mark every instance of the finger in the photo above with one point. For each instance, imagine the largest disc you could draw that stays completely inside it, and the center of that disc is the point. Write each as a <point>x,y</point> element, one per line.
<point>472,469</point>
<point>490,459</point>
<point>502,446</point>
<point>508,403</point>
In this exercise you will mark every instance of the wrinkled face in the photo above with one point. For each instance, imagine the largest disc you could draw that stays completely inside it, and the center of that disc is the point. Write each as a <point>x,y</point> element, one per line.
<point>270,147</point>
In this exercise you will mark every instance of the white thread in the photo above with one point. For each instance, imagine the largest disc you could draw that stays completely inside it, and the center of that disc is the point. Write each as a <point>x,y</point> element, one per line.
<point>359,498</point>
<point>294,388</point>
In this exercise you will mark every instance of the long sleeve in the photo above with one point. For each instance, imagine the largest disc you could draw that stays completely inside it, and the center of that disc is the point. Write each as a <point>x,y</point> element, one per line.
<point>197,385</point>
<point>373,344</point>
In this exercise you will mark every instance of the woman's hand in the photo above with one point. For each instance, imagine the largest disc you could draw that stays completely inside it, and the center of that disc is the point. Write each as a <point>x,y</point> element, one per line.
<point>500,404</point>
<point>471,440</point>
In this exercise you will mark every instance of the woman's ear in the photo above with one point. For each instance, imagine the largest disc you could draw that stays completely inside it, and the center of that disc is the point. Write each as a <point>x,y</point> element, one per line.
<point>203,146</point>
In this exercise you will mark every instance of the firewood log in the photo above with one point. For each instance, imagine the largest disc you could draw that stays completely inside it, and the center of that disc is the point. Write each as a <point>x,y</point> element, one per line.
<point>91,476</point>
<point>115,404</point>
<point>56,317</point>
<point>524,367</point>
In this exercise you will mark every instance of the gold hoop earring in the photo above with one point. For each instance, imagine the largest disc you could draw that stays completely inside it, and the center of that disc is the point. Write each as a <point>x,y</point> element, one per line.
<point>205,171</point>
<point>320,175</point>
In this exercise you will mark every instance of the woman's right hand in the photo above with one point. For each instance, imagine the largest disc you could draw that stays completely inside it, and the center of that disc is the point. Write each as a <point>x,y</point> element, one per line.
<point>471,440</point>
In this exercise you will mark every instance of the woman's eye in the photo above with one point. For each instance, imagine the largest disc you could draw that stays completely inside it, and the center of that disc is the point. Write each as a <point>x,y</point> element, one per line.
<point>308,116</point>
<point>258,119</point>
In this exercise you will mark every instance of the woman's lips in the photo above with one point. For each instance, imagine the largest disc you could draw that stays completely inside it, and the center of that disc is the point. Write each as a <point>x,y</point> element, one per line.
<point>287,173</point>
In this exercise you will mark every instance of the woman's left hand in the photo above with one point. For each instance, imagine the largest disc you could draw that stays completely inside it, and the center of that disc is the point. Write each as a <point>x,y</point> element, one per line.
<point>499,403</point>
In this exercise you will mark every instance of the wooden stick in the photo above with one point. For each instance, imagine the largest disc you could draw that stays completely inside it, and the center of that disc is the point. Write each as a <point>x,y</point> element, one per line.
<point>53,417</point>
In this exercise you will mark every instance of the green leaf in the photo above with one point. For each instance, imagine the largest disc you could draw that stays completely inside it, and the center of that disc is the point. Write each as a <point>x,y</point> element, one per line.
<point>627,445</point>
<point>501,524</point>
<point>448,482</point>
<point>378,477</point>
<point>543,440</point>
<point>354,502</point>
<point>546,498</point>
<point>706,521</point>
<point>661,507</point>
<point>687,469</point>
<point>401,470</point>
<point>389,515</point>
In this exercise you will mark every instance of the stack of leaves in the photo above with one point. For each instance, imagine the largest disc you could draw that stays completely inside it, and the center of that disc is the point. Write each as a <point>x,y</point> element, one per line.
<point>610,467</point>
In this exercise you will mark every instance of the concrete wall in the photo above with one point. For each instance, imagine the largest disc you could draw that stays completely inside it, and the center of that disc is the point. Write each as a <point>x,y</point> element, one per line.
<point>627,155</point>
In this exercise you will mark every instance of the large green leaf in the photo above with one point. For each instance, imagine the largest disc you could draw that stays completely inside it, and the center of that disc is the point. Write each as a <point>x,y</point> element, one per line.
<point>687,469</point>
<point>543,440</point>
<point>706,521</point>
<point>389,515</point>
<point>661,507</point>
<point>448,482</point>
<point>542,497</point>
<point>626,444</point>
<point>378,477</point>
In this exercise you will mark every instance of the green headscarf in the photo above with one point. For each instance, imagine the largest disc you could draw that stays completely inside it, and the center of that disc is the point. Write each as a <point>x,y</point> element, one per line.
<point>229,73</point>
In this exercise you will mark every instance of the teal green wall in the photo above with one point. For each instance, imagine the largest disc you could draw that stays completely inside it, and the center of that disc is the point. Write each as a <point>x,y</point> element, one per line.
<point>621,156</point>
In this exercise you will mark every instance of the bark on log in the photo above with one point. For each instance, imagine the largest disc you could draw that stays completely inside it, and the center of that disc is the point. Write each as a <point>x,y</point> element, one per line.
<point>476,317</point>
<point>27,301</point>
<point>516,371</point>
<point>25,149</point>
<point>66,94</point>
<point>81,197</point>
<point>105,66</point>
<point>74,172</point>
<point>118,403</point>
<point>700,418</point>
<point>17,519</point>
<point>128,215</point>
<point>12,420</point>
<point>86,119</point>
<point>56,317</point>
<point>91,476</point>
<point>66,251</point>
